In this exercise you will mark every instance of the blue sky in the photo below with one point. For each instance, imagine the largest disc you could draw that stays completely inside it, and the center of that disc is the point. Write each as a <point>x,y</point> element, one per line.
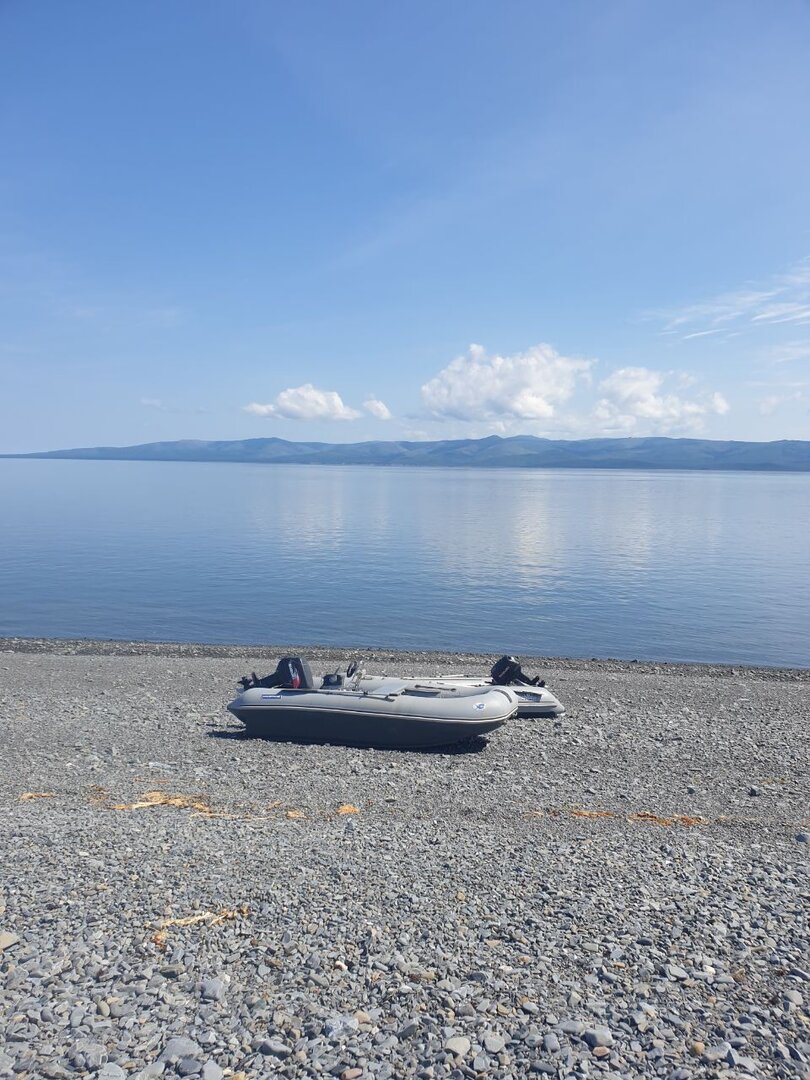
<point>352,220</point>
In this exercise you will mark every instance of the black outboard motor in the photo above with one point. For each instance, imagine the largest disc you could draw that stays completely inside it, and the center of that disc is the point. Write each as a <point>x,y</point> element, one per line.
<point>508,672</point>
<point>292,673</point>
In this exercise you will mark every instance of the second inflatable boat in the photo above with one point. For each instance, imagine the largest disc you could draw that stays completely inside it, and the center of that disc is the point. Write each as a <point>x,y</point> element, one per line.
<point>393,713</point>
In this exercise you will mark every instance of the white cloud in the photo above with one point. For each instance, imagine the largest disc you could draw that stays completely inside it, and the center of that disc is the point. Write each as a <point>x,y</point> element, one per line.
<point>790,351</point>
<point>377,408</point>
<point>305,402</point>
<point>780,313</point>
<point>768,405</point>
<point>697,333</point>
<point>718,404</point>
<point>175,410</point>
<point>524,386</point>
<point>785,298</point>
<point>636,398</point>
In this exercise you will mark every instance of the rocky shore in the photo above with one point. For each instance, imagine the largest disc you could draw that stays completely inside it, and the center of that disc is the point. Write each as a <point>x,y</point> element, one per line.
<point>620,892</point>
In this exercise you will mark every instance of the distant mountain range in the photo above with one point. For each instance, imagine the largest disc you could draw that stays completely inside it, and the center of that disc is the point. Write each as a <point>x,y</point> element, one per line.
<point>520,451</point>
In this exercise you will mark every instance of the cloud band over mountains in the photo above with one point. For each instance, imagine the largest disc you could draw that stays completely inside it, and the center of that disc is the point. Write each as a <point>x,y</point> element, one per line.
<point>534,391</point>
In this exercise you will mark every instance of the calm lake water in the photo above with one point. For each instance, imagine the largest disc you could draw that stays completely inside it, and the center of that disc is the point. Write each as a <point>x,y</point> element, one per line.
<point>669,566</point>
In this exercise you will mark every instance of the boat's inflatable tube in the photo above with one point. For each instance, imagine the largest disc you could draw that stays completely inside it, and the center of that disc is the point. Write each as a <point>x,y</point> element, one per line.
<point>393,713</point>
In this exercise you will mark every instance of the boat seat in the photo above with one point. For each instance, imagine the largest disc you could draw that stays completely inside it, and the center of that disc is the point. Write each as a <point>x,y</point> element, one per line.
<point>387,687</point>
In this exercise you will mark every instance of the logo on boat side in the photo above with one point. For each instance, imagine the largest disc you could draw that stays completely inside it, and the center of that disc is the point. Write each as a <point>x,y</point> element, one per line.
<point>479,705</point>
<point>270,697</point>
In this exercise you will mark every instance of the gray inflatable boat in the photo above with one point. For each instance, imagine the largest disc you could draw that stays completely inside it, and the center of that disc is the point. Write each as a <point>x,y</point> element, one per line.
<point>392,713</point>
<point>535,700</point>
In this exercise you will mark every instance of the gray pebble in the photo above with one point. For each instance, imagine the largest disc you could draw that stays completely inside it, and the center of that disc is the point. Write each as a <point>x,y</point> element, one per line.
<point>111,1071</point>
<point>213,989</point>
<point>340,1025</point>
<point>275,1048</point>
<point>674,971</point>
<point>179,1047</point>
<point>718,1052</point>
<point>572,1027</point>
<point>551,1044</point>
<point>598,1036</point>
<point>459,1046</point>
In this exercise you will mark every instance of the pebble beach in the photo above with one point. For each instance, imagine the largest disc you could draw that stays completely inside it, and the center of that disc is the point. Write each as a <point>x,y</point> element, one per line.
<point>618,892</point>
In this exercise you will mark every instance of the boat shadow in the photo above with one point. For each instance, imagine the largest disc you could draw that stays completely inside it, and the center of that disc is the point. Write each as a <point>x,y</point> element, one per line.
<point>475,745</point>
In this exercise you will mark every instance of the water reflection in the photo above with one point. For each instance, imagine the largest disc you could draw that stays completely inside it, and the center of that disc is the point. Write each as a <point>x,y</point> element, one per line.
<point>676,566</point>
<point>297,508</point>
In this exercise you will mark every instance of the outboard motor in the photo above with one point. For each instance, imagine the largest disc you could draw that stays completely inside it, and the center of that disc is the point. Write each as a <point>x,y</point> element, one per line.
<point>299,674</point>
<point>508,672</point>
<point>292,673</point>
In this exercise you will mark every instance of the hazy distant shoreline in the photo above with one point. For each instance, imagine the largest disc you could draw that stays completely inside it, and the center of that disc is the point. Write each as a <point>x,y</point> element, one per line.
<point>518,452</point>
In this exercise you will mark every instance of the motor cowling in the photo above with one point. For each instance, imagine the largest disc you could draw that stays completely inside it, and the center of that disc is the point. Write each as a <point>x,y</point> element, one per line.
<point>292,673</point>
<point>508,672</point>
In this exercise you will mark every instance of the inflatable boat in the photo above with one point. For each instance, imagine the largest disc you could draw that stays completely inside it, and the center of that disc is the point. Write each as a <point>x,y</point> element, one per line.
<point>357,711</point>
<point>535,700</point>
